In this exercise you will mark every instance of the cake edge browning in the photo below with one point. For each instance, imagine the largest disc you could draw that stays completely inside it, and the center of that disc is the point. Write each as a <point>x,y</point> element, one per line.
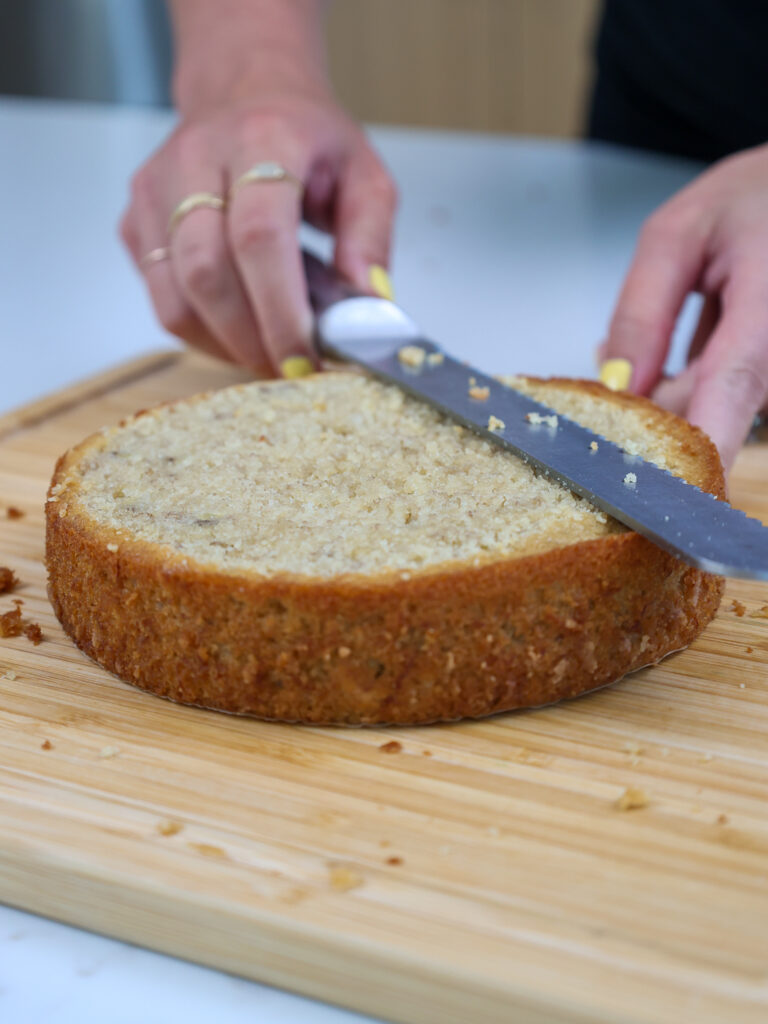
<point>459,642</point>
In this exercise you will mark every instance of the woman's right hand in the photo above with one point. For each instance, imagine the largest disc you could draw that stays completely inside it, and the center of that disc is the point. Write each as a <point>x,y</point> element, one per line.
<point>233,284</point>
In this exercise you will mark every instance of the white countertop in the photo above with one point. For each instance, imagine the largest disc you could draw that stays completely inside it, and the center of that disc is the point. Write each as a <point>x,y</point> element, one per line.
<point>509,251</point>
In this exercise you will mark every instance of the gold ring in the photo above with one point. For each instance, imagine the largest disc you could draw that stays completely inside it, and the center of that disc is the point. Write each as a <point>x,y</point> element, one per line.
<point>266,172</point>
<point>192,202</point>
<point>155,256</point>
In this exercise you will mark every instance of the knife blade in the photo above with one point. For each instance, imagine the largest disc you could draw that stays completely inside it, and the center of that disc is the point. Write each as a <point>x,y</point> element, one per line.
<point>691,524</point>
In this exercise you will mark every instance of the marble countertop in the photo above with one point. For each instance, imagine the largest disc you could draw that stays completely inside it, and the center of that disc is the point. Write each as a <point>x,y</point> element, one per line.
<point>509,250</point>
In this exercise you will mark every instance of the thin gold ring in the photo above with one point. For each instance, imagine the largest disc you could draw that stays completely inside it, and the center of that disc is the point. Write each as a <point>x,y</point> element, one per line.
<point>265,173</point>
<point>192,202</point>
<point>155,256</point>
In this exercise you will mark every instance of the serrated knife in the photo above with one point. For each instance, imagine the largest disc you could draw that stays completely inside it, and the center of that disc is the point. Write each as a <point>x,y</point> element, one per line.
<point>679,517</point>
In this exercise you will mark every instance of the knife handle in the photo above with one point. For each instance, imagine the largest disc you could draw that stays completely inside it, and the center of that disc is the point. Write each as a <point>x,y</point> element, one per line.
<point>344,315</point>
<point>324,285</point>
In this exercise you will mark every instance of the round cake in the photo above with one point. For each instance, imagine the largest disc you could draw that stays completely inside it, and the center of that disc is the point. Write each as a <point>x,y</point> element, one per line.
<point>329,550</point>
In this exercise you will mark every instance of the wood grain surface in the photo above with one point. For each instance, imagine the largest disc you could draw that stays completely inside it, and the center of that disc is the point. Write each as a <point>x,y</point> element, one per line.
<point>476,872</point>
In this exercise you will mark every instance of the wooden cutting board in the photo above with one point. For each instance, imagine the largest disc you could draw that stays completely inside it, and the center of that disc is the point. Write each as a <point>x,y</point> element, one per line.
<point>482,872</point>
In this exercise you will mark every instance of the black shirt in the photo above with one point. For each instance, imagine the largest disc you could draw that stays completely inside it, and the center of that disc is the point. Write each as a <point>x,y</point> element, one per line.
<point>688,77</point>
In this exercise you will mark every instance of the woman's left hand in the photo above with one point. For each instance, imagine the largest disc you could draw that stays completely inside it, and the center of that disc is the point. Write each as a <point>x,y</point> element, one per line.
<point>711,237</point>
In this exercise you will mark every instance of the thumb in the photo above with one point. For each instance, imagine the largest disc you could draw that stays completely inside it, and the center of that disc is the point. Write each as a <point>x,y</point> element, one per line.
<point>365,213</point>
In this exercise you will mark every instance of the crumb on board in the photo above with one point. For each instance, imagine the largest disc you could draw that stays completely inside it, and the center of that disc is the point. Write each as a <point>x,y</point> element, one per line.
<point>109,752</point>
<point>46,745</point>
<point>169,828</point>
<point>426,753</point>
<point>537,419</point>
<point>632,799</point>
<point>8,579</point>
<point>742,686</point>
<point>412,355</point>
<point>209,850</point>
<point>9,674</point>
<point>435,358</point>
<point>479,393</point>
<point>343,879</point>
<point>760,613</point>
<point>722,819</point>
<point>12,624</point>
<point>750,650</point>
<point>630,479</point>
<point>593,446</point>
<point>494,423</point>
<point>393,747</point>
<point>395,861</point>
<point>33,632</point>
<point>738,608</point>
<point>13,513</point>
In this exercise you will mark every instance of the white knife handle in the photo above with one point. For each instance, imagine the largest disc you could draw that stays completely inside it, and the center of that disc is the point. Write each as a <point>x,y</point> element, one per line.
<point>345,315</point>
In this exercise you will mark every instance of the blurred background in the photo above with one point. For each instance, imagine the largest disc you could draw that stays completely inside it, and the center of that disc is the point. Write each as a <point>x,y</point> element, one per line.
<point>520,66</point>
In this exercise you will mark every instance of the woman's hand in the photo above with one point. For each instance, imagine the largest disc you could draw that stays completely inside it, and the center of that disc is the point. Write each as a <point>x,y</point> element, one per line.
<point>712,237</point>
<point>233,283</point>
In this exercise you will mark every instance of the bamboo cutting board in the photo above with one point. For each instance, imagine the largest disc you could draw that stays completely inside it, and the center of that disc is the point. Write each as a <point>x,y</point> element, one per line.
<point>482,872</point>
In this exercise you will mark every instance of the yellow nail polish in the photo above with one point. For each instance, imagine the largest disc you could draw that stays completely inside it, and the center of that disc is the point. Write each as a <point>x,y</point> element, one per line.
<point>296,366</point>
<point>380,282</point>
<point>616,374</point>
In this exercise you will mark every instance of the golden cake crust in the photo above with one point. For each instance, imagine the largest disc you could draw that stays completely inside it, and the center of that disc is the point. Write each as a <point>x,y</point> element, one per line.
<point>451,641</point>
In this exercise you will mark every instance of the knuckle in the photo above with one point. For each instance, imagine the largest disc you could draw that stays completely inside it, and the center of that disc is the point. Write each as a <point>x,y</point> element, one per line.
<point>675,221</point>
<point>201,270</point>
<point>746,380</point>
<point>255,230</point>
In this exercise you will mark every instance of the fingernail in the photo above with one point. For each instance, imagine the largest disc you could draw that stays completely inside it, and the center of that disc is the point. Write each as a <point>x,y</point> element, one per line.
<point>616,374</point>
<point>379,280</point>
<point>296,366</point>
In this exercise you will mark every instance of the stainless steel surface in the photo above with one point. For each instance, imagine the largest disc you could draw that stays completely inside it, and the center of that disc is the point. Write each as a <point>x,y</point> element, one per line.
<point>679,517</point>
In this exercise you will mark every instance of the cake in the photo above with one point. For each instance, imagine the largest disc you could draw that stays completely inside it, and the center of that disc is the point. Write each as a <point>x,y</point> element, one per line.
<point>329,550</point>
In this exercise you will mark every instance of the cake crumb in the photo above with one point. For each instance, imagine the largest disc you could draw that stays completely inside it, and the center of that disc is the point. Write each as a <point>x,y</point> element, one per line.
<point>494,423</point>
<point>395,861</point>
<point>536,419</point>
<point>169,828</point>
<point>750,650</point>
<point>760,613</point>
<point>722,819</point>
<point>630,479</point>
<point>343,879</point>
<point>10,674</point>
<point>738,608</point>
<point>742,686</point>
<point>435,358</point>
<point>209,850</point>
<point>8,579</point>
<point>493,831</point>
<point>109,751</point>
<point>33,632</point>
<point>113,547</point>
<point>593,446</point>
<point>393,747</point>
<point>344,652</point>
<point>10,623</point>
<point>479,393</point>
<point>632,799</point>
<point>46,745</point>
<point>13,513</point>
<point>412,355</point>
<point>427,753</point>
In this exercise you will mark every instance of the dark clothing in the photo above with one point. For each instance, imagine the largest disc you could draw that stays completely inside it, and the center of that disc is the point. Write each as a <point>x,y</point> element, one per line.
<point>688,77</point>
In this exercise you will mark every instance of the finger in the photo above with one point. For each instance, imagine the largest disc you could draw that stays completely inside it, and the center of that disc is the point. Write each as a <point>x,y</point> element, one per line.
<point>262,226</point>
<point>208,280</point>
<point>666,266</point>
<point>708,318</point>
<point>674,393</point>
<point>143,230</point>
<point>365,211</point>
<point>732,379</point>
